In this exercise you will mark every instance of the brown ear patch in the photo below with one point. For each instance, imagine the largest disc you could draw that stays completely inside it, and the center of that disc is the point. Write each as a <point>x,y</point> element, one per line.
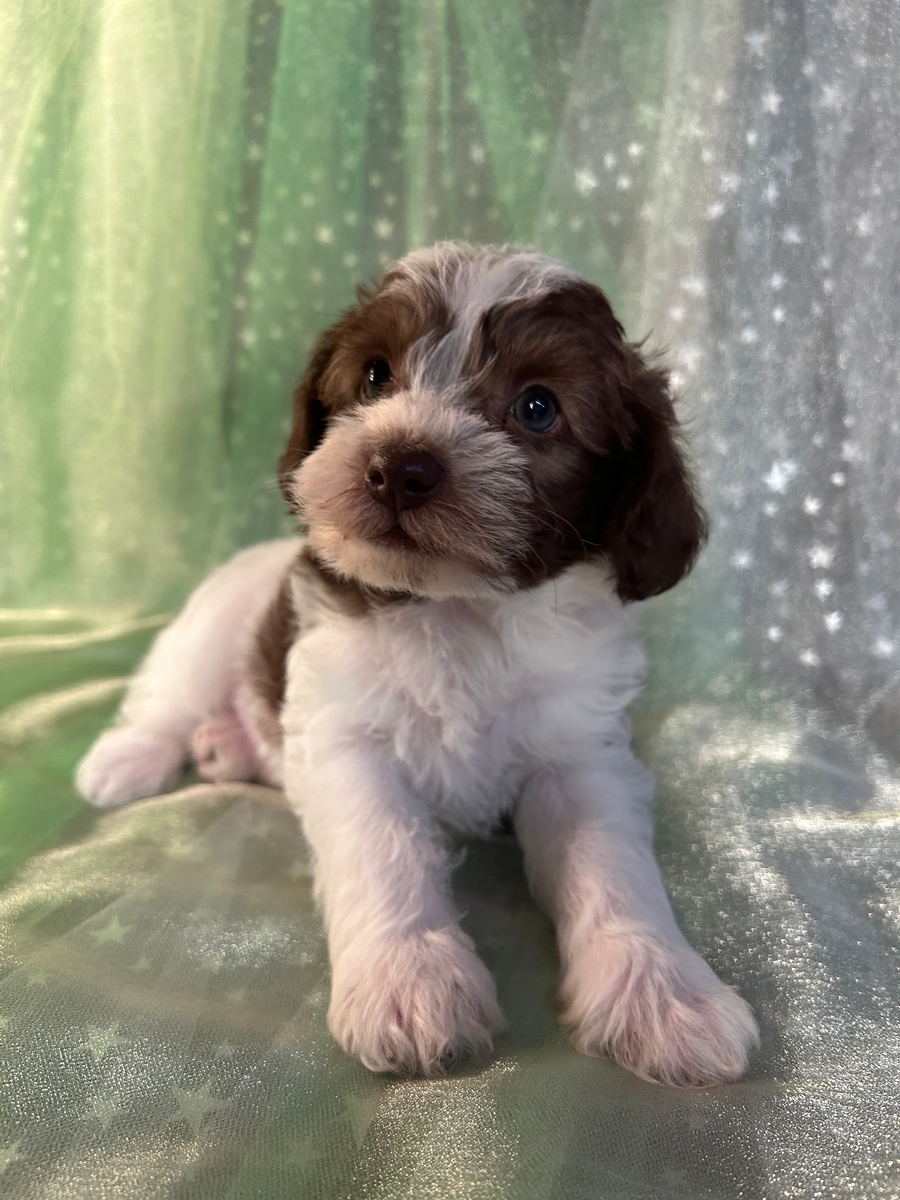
<point>655,525</point>
<point>309,415</point>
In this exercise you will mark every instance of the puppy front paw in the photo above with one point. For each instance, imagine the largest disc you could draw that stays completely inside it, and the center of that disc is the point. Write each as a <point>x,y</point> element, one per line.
<point>659,1011</point>
<point>416,1006</point>
<point>128,764</point>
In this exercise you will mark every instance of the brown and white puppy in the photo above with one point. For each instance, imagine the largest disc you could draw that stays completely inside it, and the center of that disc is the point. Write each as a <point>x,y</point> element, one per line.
<point>487,472</point>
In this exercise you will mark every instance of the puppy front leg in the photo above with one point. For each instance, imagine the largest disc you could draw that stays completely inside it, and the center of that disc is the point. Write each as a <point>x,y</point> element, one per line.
<point>409,993</point>
<point>632,985</point>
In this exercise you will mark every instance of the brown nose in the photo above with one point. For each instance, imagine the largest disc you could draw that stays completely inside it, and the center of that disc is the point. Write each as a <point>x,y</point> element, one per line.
<point>402,479</point>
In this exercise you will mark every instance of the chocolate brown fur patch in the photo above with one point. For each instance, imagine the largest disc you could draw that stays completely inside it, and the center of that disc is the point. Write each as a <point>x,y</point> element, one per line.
<point>274,637</point>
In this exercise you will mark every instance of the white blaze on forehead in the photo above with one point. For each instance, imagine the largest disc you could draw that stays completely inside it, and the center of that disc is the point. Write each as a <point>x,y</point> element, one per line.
<point>472,281</point>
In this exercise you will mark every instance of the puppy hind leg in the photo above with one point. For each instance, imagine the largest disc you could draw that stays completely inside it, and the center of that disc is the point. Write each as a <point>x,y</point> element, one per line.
<point>144,753</point>
<point>127,764</point>
<point>189,678</point>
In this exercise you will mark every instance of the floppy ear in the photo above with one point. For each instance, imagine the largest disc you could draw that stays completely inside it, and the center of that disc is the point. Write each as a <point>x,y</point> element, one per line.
<point>657,526</point>
<point>310,415</point>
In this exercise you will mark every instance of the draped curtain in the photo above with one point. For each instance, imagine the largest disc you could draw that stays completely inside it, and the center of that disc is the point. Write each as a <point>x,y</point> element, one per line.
<point>188,193</point>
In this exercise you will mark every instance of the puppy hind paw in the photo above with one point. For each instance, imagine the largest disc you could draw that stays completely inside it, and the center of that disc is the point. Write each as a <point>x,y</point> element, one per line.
<point>418,1008</point>
<point>223,752</point>
<point>659,1012</point>
<point>127,764</point>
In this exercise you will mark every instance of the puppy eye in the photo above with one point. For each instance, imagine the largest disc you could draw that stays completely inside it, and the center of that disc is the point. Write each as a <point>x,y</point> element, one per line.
<point>378,373</point>
<point>535,410</point>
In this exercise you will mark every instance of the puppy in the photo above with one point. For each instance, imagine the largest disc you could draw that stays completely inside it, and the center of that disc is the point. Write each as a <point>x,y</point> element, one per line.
<point>488,473</point>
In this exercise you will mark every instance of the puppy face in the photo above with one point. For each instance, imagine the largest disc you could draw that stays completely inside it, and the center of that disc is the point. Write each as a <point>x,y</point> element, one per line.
<point>477,424</point>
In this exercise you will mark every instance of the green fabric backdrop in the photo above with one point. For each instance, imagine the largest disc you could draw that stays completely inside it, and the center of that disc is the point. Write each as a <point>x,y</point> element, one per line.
<point>188,192</point>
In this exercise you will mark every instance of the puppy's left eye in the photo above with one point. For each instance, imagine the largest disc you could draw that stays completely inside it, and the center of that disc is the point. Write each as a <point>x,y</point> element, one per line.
<point>535,410</point>
<point>378,373</point>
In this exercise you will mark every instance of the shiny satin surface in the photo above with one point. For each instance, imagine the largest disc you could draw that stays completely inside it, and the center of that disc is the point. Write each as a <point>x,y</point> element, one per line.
<point>189,193</point>
<point>165,988</point>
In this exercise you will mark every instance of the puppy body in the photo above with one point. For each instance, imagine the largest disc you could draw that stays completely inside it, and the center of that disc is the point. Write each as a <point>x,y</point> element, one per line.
<point>468,696</point>
<point>486,471</point>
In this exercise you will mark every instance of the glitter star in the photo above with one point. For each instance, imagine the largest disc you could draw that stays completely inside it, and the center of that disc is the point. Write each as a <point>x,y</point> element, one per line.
<point>4,1021</point>
<point>113,932</point>
<point>142,964</point>
<point>100,1040</point>
<point>195,1106</point>
<point>223,1050</point>
<point>772,102</point>
<point>104,1109</point>
<point>9,1155</point>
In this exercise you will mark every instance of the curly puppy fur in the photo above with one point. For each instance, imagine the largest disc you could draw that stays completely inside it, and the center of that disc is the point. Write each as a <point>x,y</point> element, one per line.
<point>487,473</point>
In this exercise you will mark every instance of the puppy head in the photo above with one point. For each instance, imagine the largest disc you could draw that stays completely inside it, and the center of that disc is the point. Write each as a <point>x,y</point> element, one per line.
<point>477,424</point>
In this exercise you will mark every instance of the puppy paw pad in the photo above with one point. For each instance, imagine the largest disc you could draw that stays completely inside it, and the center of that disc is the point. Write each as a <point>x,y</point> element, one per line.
<point>223,751</point>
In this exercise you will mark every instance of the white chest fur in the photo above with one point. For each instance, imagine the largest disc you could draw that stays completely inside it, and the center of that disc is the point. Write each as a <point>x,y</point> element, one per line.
<point>470,695</point>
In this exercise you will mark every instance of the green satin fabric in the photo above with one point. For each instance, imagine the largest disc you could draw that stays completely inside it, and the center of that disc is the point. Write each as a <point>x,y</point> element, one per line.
<point>187,194</point>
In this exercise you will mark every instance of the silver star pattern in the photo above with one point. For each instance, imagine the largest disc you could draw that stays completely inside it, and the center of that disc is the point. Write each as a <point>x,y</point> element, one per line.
<point>104,1109</point>
<point>113,932</point>
<point>195,1105</point>
<point>100,1040</point>
<point>142,964</point>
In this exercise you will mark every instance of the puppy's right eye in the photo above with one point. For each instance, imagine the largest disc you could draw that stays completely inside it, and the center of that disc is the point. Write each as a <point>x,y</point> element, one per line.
<point>378,373</point>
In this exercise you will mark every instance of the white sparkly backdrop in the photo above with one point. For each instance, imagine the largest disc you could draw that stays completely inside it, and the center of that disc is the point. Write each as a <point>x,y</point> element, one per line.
<point>763,255</point>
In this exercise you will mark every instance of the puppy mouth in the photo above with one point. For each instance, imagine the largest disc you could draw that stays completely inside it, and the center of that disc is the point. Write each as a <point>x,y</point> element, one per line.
<point>397,539</point>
